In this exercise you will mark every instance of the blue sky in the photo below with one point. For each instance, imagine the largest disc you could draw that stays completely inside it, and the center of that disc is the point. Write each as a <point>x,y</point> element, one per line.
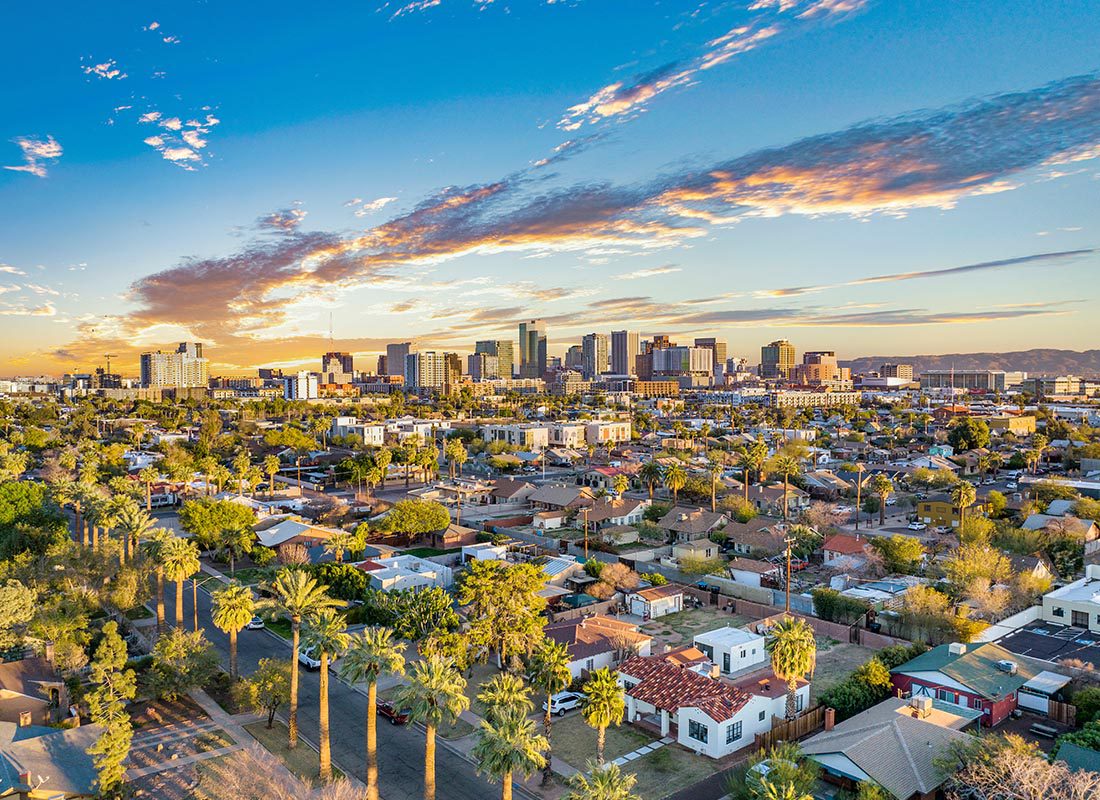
<point>186,170</point>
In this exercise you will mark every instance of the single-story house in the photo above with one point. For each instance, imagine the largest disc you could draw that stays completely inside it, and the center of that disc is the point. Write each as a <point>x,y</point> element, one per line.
<point>749,571</point>
<point>558,498</point>
<point>598,641</point>
<point>608,511</point>
<point>406,572</point>
<point>1077,603</point>
<point>42,762</point>
<point>656,601</point>
<point>685,524</point>
<point>732,649</point>
<point>511,492</point>
<point>844,551</point>
<point>895,744</point>
<point>769,499</point>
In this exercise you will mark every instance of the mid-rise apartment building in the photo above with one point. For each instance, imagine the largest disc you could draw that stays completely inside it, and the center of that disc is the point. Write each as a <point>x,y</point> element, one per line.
<point>185,368</point>
<point>980,380</point>
<point>529,437</point>
<point>396,354</point>
<point>822,399</point>
<point>777,360</point>
<point>595,355</point>
<point>433,371</point>
<point>302,386</point>
<point>903,371</point>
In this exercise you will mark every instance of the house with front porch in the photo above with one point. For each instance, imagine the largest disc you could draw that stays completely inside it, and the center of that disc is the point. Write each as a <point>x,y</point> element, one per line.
<point>685,524</point>
<point>709,715</point>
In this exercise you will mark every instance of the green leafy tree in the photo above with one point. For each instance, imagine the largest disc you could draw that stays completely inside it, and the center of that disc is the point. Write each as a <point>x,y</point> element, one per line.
<point>968,433</point>
<point>881,488</point>
<point>233,608</point>
<point>295,596</point>
<point>267,689</point>
<point>209,521</point>
<point>899,553</point>
<point>17,608</point>
<point>793,651</point>
<point>113,686</point>
<point>417,517</point>
<point>326,634</point>
<point>604,704</point>
<point>435,695</point>
<point>508,744</point>
<point>548,671</point>
<point>182,661</point>
<point>505,607</point>
<point>370,655</point>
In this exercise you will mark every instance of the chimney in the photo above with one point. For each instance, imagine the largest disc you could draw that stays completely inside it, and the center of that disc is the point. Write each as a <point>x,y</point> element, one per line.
<point>25,720</point>
<point>830,718</point>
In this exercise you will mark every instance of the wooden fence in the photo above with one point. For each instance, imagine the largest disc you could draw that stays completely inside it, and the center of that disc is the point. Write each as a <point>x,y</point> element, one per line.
<point>1064,713</point>
<point>792,730</point>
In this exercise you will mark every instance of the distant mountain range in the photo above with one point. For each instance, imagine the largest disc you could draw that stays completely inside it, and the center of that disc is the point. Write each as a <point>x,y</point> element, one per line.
<point>1039,361</point>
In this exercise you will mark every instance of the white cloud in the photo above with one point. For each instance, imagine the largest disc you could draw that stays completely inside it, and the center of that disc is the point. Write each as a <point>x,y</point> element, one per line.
<point>36,151</point>
<point>108,70</point>
<point>648,273</point>
<point>371,206</point>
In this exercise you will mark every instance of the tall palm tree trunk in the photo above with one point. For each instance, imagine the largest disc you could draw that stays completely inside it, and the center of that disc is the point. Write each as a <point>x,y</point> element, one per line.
<point>325,747</point>
<point>292,724</point>
<point>786,505</point>
<point>195,605</point>
<point>601,737</point>
<point>372,740</point>
<point>429,763</point>
<point>547,717</point>
<point>233,654</point>
<point>179,603</point>
<point>792,690</point>
<point>95,538</point>
<point>160,601</point>
<point>506,786</point>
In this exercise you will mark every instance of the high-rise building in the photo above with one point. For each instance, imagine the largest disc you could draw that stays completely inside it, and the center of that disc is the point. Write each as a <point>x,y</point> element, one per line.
<point>820,368</point>
<point>503,350</point>
<point>186,368</point>
<point>625,346</point>
<point>574,358</point>
<point>433,371</point>
<point>381,370</point>
<point>337,368</point>
<point>777,360</point>
<point>483,367</point>
<point>302,386</point>
<point>532,349</point>
<point>395,357</point>
<point>717,349</point>
<point>595,355</point>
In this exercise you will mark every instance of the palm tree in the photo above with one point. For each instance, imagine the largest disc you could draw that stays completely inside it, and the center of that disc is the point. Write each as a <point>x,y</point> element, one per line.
<point>793,654</point>
<point>180,558</point>
<point>786,466</point>
<point>882,487</point>
<point>148,477</point>
<point>271,468</point>
<point>963,496</point>
<point>154,545</point>
<point>675,478</point>
<point>370,655</point>
<point>504,693</point>
<point>295,596</point>
<point>326,633</point>
<point>548,672</point>
<point>435,694</point>
<point>233,608</point>
<point>750,461</point>
<point>506,745</point>
<point>859,470</point>
<point>135,523</point>
<point>606,782</point>
<point>620,484</point>
<point>337,544</point>
<point>603,705</point>
<point>652,474</point>
<point>715,472</point>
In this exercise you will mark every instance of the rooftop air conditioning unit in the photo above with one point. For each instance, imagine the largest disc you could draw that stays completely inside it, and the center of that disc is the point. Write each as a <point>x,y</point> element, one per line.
<point>922,704</point>
<point>1010,667</point>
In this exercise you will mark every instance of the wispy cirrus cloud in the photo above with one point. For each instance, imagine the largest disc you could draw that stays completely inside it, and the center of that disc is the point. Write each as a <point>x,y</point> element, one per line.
<point>652,272</point>
<point>931,159</point>
<point>401,9</point>
<point>38,154</point>
<point>624,99</point>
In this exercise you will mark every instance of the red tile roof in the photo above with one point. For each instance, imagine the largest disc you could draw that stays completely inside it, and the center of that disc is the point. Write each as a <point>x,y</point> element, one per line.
<point>843,543</point>
<point>670,688</point>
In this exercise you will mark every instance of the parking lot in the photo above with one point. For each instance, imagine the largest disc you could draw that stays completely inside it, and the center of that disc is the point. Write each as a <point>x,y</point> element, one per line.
<point>1053,643</point>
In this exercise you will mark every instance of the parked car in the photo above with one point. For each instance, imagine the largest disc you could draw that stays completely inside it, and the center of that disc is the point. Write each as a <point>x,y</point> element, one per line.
<point>1012,486</point>
<point>916,526</point>
<point>255,624</point>
<point>940,529</point>
<point>308,659</point>
<point>891,501</point>
<point>391,712</point>
<point>564,701</point>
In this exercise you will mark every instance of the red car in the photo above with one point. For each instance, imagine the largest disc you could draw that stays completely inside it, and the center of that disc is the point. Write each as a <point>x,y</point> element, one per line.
<point>390,712</point>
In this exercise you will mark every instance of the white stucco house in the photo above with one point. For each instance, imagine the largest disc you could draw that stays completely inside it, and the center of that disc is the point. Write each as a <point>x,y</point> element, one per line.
<point>706,714</point>
<point>655,601</point>
<point>732,649</point>
<point>1076,604</point>
<point>406,572</point>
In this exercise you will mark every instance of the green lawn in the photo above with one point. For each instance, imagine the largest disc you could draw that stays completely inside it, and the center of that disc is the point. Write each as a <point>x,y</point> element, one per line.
<point>574,742</point>
<point>249,576</point>
<point>280,627</point>
<point>449,732</point>
<point>428,552</point>
<point>303,760</point>
<point>139,612</point>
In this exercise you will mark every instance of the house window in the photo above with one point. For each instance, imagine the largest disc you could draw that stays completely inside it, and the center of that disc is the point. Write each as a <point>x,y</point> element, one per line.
<point>762,715</point>
<point>742,654</point>
<point>697,731</point>
<point>733,732</point>
<point>798,702</point>
<point>589,664</point>
<point>1058,612</point>
<point>725,662</point>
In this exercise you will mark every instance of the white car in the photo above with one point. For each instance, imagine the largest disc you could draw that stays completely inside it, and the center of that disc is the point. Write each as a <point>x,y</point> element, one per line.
<point>564,701</point>
<point>255,624</point>
<point>1012,486</point>
<point>308,659</point>
<point>916,526</point>
<point>891,501</point>
<point>940,529</point>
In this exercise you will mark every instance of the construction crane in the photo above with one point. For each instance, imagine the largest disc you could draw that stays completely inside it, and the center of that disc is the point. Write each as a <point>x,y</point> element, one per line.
<point>109,356</point>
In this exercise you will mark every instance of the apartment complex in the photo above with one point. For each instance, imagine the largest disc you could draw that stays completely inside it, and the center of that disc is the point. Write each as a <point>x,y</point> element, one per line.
<point>595,355</point>
<point>432,371</point>
<point>186,368</point>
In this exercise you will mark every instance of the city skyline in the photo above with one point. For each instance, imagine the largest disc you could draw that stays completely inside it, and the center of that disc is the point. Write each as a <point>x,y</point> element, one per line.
<point>931,188</point>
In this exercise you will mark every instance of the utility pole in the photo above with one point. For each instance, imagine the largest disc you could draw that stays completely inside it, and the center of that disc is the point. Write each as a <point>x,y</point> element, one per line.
<point>789,541</point>
<point>859,488</point>
<point>585,512</point>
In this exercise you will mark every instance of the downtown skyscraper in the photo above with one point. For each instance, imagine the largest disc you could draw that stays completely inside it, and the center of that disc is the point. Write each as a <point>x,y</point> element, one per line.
<point>532,349</point>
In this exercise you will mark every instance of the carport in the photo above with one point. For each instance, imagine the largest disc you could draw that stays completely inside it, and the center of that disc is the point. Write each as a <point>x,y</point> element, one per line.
<point>1036,694</point>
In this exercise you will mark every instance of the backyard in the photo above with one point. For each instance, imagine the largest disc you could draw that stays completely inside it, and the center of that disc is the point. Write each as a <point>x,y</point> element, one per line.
<point>679,629</point>
<point>835,661</point>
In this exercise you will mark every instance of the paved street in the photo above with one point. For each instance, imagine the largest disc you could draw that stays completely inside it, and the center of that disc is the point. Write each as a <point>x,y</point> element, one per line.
<point>400,749</point>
